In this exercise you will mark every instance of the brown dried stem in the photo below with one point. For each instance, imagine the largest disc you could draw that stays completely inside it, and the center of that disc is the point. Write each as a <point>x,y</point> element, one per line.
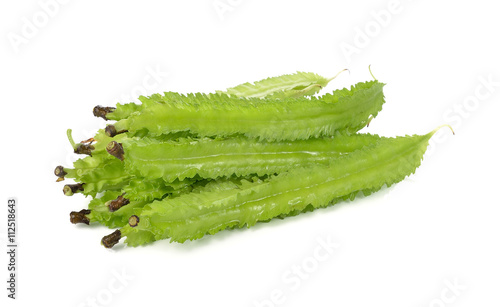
<point>84,149</point>
<point>115,149</point>
<point>71,189</point>
<point>133,221</point>
<point>79,217</point>
<point>59,171</point>
<point>110,131</point>
<point>110,240</point>
<point>117,203</point>
<point>100,111</point>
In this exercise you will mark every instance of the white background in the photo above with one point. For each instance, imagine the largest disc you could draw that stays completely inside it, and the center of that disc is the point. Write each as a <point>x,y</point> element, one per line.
<point>404,246</point>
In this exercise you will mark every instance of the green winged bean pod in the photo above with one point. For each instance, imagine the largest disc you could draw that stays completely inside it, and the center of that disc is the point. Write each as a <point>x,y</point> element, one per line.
<point>181,166</point>
<point>114,207</point>
<point>299,84</point>
<point>191,216</point>
<point>213,158</point>
<point>275,120</point>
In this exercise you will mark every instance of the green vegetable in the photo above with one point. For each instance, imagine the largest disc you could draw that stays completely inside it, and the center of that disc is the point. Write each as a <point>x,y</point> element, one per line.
<point>114,207</point>
<point>299,84</point>
<point>214,158</point>
<point>179,167</point>
<point>275,120</point>
<point>293,85</point>
<point>192,215</point>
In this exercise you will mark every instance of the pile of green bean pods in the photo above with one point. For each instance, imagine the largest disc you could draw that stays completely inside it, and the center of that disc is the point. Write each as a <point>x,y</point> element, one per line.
<point>180,166</point>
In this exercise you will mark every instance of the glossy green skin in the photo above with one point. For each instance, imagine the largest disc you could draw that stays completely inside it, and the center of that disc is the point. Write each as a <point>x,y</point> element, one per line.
<point>277,119</point>
<point>102,140</point>
<point>139,192</point>
<point>293,85</point>
<point>101,171</point>
<point>100,212</point>
<point>142,192</point>
<point>84,167</point>
<point>123,111</point>
<point>193,215</point>
<point>214,158</point>
<point>88,169</point>
<point>299,84</point>
<point>110,176</point>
